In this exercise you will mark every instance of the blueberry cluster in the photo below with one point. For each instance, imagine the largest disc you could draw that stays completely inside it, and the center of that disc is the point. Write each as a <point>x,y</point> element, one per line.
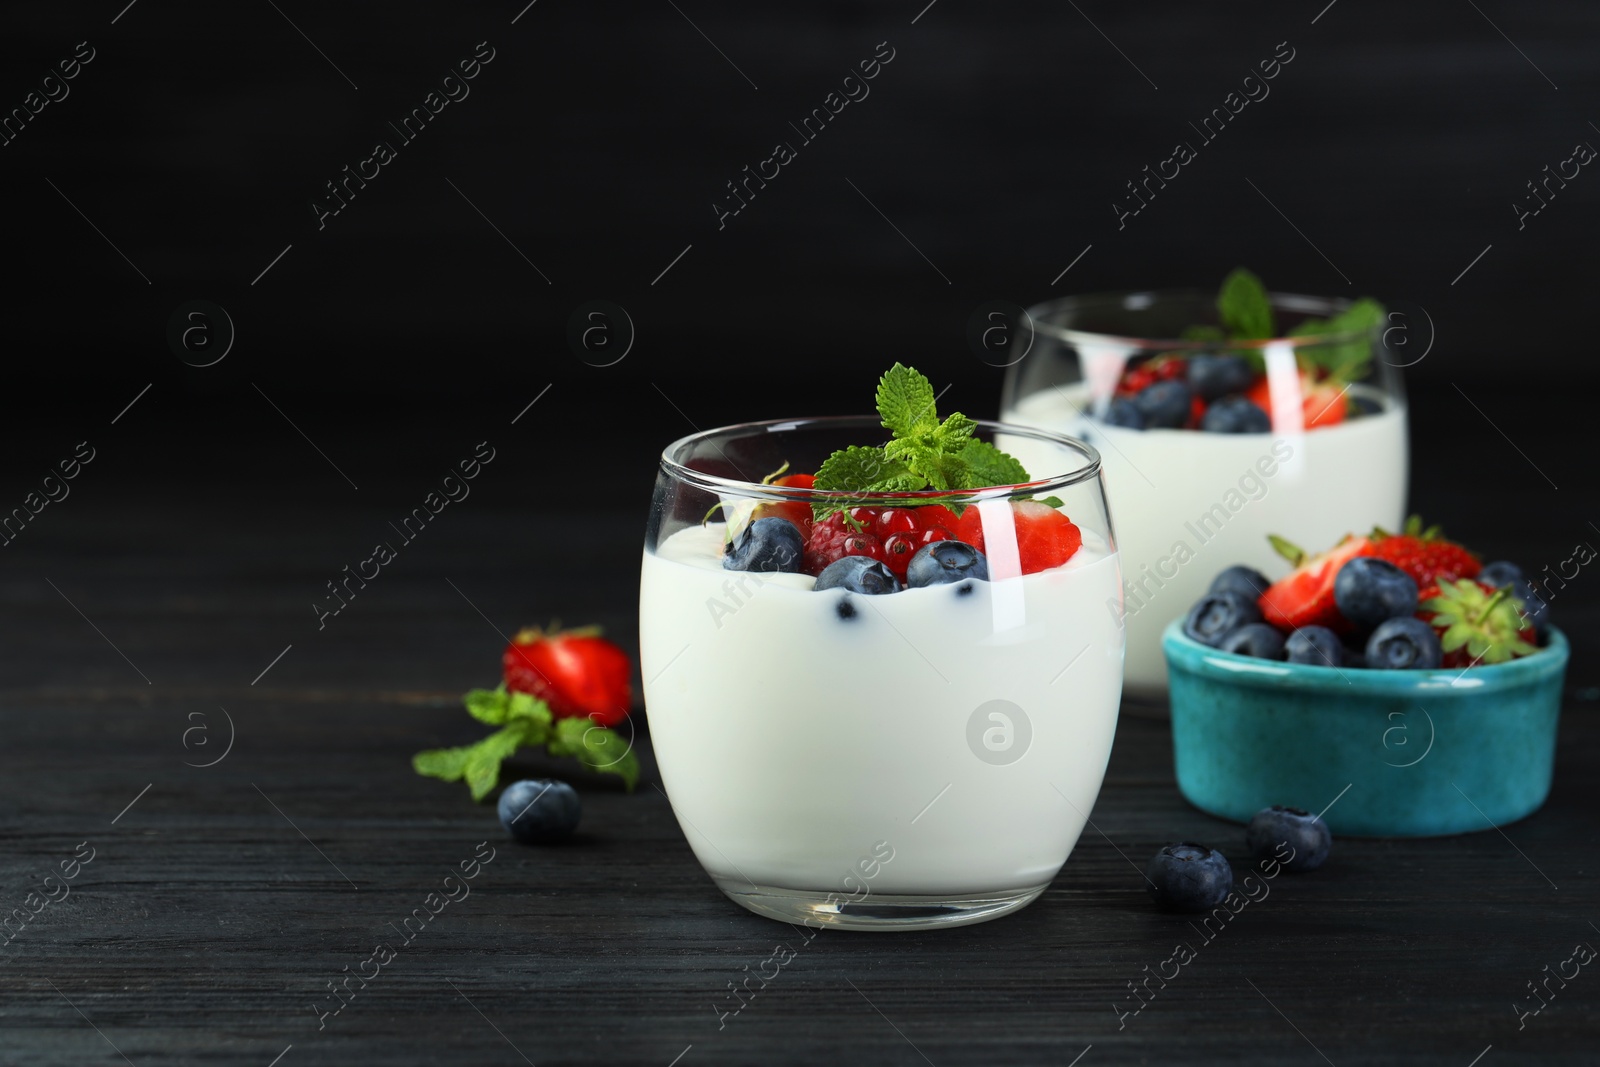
<point>775,544</point>
<point>1219,381</point>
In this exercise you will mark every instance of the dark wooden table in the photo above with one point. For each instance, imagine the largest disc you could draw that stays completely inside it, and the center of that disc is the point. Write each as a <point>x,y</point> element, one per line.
<point>172,593</point>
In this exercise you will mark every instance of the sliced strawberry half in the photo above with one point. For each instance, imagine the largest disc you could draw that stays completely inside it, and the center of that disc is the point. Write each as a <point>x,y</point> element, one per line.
<point>1305,596</point>
<point>1322,403</point>
<point>1045,537</point>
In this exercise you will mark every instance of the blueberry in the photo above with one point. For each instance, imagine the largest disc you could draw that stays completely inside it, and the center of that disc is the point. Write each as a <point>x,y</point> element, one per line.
<point>1235,414</point>
<point>1123,412</point>
<point>858,574</point>
<point>770,544</point>
<point>1305,833</point>
<point>1216,615</point>
<point>1369,591</point>
<point>1355,657</point>
<point>1214,376</point>
<point>1189,877</point>
<point>1364,405</point>
<point>1405,643</point>
<point>1534,607</point>
<point>1500,572</point>
<point>1259,639</point>
<point>1164,405</point>
<point>945,561</point>
<point>535,810</point>
<point>1246,581</point>
<point>1316,645</point>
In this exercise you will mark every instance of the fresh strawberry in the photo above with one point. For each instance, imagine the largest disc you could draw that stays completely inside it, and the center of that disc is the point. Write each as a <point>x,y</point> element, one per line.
<point>796,511</point>
<point>1322,403</point>
<point>578,673</point>
<point>1476,622</point>
<point>841,535</point>
<point>1305,596</point>
<point>1045,537</point>
<point>931,515</point>
<point>1425,555</point>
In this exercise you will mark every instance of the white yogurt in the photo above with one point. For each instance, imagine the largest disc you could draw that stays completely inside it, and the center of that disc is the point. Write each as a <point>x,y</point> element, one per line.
<point>792,739</point>
<point>1186,504</point>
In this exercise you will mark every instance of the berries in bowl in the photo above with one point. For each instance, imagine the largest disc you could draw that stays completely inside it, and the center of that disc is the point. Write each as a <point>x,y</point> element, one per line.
<point>1400,689</point>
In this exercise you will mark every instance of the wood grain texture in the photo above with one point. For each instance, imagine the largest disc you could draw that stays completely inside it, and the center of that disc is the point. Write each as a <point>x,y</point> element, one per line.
<point>207,926</point>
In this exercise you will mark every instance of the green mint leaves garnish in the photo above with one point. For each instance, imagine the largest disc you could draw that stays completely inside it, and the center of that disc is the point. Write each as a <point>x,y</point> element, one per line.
<point>923,453</point>
<point>1246,314</point>
<point>1244,307</point>
<point>524,721</point>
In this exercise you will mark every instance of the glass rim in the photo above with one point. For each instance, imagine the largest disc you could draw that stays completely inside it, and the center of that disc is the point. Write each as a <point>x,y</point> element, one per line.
<point>1322,306</point>
<point>717,484</point>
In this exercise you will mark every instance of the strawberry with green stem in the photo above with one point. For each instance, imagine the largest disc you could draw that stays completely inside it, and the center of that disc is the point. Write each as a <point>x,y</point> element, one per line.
<point>1477,623</point>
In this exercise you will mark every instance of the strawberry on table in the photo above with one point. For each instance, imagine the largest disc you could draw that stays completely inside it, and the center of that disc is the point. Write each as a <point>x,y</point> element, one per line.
<point>577,672</point>
<point>1305,597</point>
<point>1424,554</point>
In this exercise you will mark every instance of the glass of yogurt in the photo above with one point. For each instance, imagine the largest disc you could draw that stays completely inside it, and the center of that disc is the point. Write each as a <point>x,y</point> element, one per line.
<point>1323,453</point>
<point>920,757</point>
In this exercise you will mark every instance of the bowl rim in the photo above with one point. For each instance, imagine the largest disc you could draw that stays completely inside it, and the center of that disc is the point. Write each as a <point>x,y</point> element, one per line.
<point>1183,652</point>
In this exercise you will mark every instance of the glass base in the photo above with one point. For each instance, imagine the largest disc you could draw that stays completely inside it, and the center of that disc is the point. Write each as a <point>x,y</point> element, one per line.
<point>877,911</point>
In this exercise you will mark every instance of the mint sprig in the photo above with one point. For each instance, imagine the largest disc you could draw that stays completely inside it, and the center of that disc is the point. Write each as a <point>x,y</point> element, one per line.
<point>1245,311</point>
<point>524,721</point>
<point>924,452</point>
<point>1245,308</point>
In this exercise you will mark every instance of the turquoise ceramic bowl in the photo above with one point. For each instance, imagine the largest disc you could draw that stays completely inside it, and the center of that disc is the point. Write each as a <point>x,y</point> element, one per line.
<point>1423,753</point>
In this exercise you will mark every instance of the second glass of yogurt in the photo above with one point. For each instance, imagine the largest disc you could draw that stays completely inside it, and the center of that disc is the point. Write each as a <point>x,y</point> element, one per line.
<point>1326,458</point>
<point>924,757</point>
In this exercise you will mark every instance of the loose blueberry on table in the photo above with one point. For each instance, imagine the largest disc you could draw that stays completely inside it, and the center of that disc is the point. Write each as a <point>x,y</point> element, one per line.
<point>1189,877</point>
<point>536,811</point>
<point>1306,835</point>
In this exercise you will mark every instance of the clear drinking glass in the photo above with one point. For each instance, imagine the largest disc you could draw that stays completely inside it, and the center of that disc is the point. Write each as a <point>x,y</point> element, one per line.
<point>1189,503</point>
<point>915,759</point>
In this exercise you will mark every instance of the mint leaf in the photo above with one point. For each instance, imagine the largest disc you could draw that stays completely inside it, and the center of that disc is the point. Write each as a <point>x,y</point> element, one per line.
<point>482,769</point>
<point>863,469</point>
<point>1345,361</point>
<point>906,402</point>
<point>955,432</point>
<point>1244,308</point>
<point>533,713</point>
<point>597,748</point>
<point>448,764</point>
<point>1203,332</point>
<point>987,465</point>
<point>1054,502</point>
<point>488,705</point>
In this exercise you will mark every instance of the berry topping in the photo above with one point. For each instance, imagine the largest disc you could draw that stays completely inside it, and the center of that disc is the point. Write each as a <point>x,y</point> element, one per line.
<point>1369,590</point>
<point>1306,837</point>
<point>946,561</point>
<point>769,544</point>
<point>1214,377</point>
<point>1305,597</point>
<point>932,515</point>
<point>1246,581</point>
<point>1045,537</point>
<point>838,536</point>
<point>1216,615</point>
<point>858,574</point>
<point>1164,405</point>
<point>1123,412</point>
<point>898,550</point>
<point>535,811</point>
<point>796,511</point>
<point>1189,877</point>
<point>1425,555</point>
<point>1404,644</point>
<point>1477,623</point>
<point>1235,414</point>
<point>1254,639</point>
<point>1315,645</point>
<point>891,521</point>
<point>579,674</point>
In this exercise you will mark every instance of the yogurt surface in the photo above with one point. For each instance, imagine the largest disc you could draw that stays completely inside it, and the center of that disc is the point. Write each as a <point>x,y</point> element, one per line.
<point>967,725</point>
